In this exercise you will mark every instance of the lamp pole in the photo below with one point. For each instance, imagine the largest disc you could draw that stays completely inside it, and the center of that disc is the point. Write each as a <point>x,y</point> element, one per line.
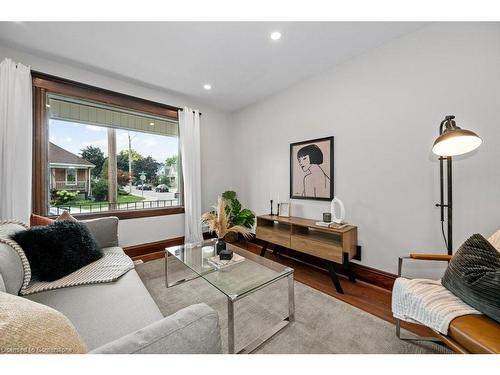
<point>449,192</point>
<point>452,141</point>
<point>449,203</point>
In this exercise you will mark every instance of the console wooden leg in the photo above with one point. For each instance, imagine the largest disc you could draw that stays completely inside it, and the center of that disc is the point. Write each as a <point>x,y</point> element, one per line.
<point>264,248</point>
<point>348,270</point>
<point>276,250</point>
<point>335,279</point>
<point>351,275</point>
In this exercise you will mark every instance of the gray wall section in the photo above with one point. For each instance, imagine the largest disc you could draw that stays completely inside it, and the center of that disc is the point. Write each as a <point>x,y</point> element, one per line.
<point>384,108</point>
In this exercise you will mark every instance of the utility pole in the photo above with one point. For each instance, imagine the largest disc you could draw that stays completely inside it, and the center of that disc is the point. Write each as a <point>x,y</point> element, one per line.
<point>130,163</point>
<point>112,183</point>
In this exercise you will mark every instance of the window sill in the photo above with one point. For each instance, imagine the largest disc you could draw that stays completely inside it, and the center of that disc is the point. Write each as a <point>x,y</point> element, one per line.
<point>132,214</point>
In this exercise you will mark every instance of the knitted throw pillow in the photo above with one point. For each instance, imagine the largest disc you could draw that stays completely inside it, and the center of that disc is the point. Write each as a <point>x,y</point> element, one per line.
<point>28,327</point>
<point>473,275</point>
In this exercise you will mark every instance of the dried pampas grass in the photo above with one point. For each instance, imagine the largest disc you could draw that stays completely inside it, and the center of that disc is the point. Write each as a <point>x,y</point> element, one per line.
<point>218,221</point>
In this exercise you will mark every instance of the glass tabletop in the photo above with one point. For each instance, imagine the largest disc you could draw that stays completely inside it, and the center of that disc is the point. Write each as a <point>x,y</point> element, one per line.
<point>235,280</point>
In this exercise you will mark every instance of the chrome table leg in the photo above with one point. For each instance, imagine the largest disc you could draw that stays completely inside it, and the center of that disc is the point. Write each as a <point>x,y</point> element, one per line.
<point>291,299</point>
<point>230,326</point>
<point>166,269</point>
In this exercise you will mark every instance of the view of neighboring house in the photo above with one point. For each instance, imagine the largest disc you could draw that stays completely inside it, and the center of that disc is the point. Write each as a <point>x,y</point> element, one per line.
<point>168,171</point>
<point>69,171</point>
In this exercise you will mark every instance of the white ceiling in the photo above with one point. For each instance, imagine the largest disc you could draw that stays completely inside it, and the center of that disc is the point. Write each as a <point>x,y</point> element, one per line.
<point>238,59</point>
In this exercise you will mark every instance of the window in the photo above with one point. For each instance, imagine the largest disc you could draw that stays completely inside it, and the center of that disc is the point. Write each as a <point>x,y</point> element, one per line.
<point>71,176</point>
<point>102,157</point>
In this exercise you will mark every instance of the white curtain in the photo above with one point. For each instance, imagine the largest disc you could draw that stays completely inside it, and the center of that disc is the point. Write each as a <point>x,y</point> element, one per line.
<point>189,128</point>
<point>16,128</point>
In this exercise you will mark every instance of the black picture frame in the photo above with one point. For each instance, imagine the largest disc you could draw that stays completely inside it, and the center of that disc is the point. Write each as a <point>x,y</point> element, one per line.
<point>331,169</point>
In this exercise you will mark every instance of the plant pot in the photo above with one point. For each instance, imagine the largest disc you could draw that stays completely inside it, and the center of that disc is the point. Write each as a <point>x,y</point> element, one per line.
<point>231,237</point>
<point>220,245</point>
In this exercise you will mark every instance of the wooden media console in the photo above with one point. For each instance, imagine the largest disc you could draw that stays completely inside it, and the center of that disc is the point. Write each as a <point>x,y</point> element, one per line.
<point>334,244</point>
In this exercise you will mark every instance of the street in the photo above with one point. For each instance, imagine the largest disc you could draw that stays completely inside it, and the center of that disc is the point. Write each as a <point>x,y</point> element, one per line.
<point>151,195</point>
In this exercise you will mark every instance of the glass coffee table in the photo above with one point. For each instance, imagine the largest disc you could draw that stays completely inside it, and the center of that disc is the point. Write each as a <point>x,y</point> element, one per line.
<point>236,281</point>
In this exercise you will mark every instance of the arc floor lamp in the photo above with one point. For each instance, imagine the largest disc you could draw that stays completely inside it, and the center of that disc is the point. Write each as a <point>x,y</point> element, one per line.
<point>452,141</point>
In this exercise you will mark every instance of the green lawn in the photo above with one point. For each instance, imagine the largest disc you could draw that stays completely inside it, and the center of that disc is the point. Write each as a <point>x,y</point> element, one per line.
<point>85,203</point>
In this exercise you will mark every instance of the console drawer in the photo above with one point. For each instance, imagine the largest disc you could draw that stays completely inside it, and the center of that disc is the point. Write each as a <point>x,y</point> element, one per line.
<point>274,235</point>
<point>318,249</point>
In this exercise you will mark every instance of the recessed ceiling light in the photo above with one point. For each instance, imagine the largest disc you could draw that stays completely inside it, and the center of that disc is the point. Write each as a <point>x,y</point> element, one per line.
<point>275,35</point>
<point>207,86</point>
<point>152,123</point>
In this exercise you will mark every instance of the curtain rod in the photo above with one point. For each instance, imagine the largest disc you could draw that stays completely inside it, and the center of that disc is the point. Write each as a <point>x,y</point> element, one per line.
<point>182,109</point>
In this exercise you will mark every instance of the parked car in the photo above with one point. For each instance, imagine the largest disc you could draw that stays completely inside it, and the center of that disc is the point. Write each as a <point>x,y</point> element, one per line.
<point>145,187</point>
<point>162,188</point>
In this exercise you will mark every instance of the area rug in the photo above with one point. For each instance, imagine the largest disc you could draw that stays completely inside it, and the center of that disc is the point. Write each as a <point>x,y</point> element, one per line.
<point>322,324</point>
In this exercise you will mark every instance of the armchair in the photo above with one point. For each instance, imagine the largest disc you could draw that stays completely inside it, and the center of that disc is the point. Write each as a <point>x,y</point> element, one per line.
<point>470,333</point>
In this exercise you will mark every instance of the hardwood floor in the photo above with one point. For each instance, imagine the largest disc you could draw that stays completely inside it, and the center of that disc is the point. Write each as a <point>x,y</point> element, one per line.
<point>367,297</point>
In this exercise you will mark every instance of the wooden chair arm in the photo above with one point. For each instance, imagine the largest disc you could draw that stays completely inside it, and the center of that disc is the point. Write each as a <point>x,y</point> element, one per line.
<point>417,256</point>
<point>441,257</point>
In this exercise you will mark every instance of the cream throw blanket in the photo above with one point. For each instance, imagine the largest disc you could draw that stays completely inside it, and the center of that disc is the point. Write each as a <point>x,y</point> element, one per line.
<point>427,302</point>
<point>109,268</point>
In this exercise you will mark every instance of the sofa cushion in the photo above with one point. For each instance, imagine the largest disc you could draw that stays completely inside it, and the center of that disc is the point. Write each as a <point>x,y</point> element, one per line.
<point>476,333</point>
<point>14,266</point>
<point>473,275</point>
<point>37,220</point>
<point>58,249</point>
<point>2,284</point>
<point>104,312</point>
<point>495,240</point>
<point>27,327</point>
<point>11,269</point>
<point>192,330</point>
<point>65,216</point>
<point>104,230</point>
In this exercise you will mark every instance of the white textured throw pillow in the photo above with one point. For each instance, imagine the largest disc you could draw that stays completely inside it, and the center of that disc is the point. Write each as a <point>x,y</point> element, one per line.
<point>28,327</point>
<point>495,240</point>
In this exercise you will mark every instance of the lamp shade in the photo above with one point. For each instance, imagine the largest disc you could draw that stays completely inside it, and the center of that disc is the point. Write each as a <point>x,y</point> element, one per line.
<point>456,141</point>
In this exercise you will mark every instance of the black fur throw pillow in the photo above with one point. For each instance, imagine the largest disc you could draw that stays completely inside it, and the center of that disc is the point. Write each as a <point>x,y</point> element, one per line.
<point>58,249</point>
<point>473,275</point>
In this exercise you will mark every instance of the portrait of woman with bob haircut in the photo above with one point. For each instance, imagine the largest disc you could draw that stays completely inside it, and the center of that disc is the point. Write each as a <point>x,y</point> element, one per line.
<point>311,169</point>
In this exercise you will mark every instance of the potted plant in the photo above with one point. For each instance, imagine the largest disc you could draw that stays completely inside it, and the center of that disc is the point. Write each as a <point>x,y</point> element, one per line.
<point>237,215</point>
<point>218,222</point>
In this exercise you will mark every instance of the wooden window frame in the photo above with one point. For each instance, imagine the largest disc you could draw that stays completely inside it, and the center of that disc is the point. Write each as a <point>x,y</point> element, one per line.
<point>44,84</point>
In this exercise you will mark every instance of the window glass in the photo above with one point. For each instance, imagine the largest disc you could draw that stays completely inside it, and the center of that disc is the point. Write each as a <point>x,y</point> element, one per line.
<point>143,171</point>
<point>71,175</point>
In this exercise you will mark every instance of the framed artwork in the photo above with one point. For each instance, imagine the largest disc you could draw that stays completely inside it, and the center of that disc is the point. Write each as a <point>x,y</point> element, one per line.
<point>311,169</point>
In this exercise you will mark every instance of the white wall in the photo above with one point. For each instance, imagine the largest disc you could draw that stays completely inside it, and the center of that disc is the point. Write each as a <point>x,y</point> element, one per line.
<point>215,138</point>
<point>384,108</point>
